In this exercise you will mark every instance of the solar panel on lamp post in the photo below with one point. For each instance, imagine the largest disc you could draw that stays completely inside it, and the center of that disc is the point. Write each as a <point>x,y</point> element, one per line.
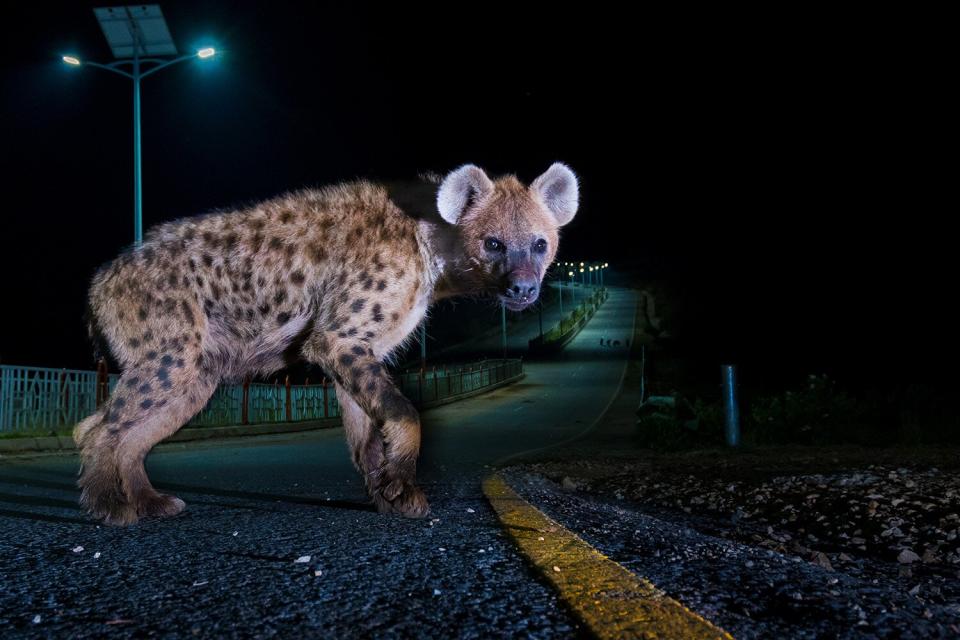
<point>137,35</point>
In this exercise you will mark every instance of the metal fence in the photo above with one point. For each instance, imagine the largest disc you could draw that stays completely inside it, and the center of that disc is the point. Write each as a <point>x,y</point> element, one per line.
<point>36,399</point>
<point>441,383</point>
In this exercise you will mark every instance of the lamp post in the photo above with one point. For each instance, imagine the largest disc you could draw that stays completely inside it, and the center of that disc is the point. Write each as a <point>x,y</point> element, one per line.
<point>124,29</point>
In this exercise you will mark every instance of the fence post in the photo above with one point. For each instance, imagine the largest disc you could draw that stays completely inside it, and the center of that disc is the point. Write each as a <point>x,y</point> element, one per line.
<point>103,382</point>
<point>63,393</point>
<point>730,408</point>
<point>244,410</point>
<point>326,412</point>
<point>288,409</point>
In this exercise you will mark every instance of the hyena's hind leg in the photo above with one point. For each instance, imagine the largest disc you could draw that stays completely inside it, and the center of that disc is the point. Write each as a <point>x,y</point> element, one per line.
<point>150,403</point>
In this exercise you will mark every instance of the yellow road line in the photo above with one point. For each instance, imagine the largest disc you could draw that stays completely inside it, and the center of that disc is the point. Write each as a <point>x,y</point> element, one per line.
<point>609,599</point>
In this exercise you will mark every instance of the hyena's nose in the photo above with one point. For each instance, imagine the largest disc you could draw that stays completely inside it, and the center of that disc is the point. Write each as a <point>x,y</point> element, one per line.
<point>523,289</point>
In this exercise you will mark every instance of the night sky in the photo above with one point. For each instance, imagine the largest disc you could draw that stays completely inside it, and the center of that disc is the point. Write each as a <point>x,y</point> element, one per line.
<point>776,172</point>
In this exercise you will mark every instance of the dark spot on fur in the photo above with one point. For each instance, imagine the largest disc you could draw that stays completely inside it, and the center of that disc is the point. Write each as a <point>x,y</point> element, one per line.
<point>276,243</point>
<point>229,241</point>
<point>286,217</point>
<point>173,278</point>
<point>134,343</point>
<point>264,309</point>
<point>357,305</point>
<point>360,351</point>
<point>297,277</point>
<point>132,382</point>
<point>381,285</point>
<point>145,388</point>
<point>207,259</point>
<point>119,403</point>
<point>180,363</point>
<point>146,404</point>
<point>377,315</point>
<point>283,318</point>
<point>219,271</point>
<point>166,384</point>
<point>369,334</point>
<point>316,252</point>
<point>166,360</point>
<point>394,316</point>
<point>257,224</point>
<point>367,284</point>
<point>151,355</point>
<point>190,233</point>
<point>142,313</point>
<point>208,238</point>
<point>148,336</point>
<point>342,278</point>
<point>187,312</point>
<point>163,373</point>
<point>280,296</point>
<point>261,281</point>
<point>126,424</point>
<point>346,359</point>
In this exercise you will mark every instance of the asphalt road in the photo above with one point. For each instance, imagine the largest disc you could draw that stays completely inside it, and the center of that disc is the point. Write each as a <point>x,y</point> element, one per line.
<point>227,566</point>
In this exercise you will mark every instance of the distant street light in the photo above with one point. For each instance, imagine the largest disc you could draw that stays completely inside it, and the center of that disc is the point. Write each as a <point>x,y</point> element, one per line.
<point>137,34</point>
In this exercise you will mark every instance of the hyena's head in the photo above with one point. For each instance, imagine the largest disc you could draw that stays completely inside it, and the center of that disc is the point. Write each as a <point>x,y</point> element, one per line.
<point>509,231</point>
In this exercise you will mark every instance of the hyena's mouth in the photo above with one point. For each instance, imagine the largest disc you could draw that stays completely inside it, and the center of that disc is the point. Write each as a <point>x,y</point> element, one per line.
<point>515,305</point>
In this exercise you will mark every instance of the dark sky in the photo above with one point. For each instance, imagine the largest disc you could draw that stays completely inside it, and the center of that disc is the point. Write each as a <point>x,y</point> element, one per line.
<point>775,168</point>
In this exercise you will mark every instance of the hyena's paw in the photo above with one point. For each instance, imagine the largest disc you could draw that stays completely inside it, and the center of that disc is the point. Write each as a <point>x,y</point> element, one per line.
<point>109,507</point>
<point>159,505</point>
<point>404,498</point>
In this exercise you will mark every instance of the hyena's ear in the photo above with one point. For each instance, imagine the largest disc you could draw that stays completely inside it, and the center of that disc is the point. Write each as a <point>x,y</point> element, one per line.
<point>460,189</point>
<point>559,191</point>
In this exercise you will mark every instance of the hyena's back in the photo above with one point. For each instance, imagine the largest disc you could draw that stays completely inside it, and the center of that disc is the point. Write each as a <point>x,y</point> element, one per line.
<point>231,290</point>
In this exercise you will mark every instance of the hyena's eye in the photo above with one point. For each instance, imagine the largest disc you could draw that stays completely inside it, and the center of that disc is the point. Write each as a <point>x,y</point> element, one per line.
<point>492,244</point>
<point>540,246</point>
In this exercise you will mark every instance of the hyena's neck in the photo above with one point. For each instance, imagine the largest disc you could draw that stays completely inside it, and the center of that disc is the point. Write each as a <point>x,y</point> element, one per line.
<point>450,273</point>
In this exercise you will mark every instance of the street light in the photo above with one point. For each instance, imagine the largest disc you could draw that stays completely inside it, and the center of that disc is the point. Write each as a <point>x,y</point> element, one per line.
<point>137,34</point>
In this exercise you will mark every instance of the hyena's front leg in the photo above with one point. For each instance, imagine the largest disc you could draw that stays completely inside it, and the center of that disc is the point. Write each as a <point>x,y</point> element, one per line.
<point>386,439</point>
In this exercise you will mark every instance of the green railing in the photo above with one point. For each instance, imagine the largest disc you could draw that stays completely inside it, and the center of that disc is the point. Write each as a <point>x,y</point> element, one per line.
<point>444,383</point>
<point>36,399</point>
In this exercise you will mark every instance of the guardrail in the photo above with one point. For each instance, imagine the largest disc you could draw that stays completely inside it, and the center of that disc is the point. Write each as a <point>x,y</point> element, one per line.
<point>37,399</point>
<point>446,383</point>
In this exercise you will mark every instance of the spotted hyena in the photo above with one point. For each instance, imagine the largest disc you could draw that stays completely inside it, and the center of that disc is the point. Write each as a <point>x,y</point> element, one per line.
<point>339,276</point>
